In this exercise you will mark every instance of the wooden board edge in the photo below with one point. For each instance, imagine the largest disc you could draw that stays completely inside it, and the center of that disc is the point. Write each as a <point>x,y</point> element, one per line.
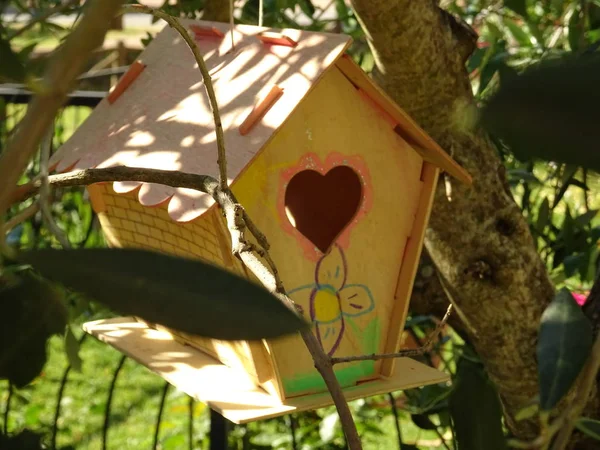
<point>410,263</point>
<point>413,133</point>
<point>126,331</point>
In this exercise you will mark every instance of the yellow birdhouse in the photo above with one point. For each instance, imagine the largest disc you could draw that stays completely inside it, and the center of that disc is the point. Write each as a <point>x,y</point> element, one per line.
<point>335,174</point>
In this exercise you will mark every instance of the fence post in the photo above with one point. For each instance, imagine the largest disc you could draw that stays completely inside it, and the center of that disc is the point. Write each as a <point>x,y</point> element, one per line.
<point>218,431</point>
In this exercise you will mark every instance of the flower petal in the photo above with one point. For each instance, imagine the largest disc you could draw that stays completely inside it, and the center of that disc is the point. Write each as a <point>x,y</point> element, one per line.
<point>356,299</point>
<point>330,335</point>
<point>331,269</point>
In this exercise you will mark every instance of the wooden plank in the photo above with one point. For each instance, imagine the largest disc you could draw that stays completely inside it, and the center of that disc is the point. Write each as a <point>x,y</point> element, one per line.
<point>410,264</point>
<point>276,39</point>
<point>200,32</point>
<point>407,127</point>
<point>260,109</point>
<point>229,391</point>
<point>125,81</point>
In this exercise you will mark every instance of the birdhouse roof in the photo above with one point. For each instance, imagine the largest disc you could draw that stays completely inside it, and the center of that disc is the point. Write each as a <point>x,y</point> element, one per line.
<point>160,117</point>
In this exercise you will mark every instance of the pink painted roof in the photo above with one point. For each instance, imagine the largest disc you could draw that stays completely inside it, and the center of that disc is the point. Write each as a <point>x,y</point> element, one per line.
<point>163,119</point>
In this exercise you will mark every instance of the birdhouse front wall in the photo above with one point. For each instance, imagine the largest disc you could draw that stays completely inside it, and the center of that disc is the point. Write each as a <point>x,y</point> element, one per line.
<point>336,192</point>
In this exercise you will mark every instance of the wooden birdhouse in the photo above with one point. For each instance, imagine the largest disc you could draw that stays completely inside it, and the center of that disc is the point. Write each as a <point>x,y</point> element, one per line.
<point>336,175</point>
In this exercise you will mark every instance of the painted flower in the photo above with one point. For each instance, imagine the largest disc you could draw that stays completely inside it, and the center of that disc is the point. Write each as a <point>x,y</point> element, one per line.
<point>331,300</point>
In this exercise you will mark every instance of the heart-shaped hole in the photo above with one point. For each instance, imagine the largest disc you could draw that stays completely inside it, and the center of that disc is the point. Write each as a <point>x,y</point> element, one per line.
<point>321,206</point>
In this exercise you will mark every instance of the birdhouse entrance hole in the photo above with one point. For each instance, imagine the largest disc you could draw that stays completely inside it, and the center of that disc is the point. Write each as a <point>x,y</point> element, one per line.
<point>321,206</point>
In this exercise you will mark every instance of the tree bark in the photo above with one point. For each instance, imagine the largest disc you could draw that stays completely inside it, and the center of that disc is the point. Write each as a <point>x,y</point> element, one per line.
<point>479,241</point>
<point>216,10</point>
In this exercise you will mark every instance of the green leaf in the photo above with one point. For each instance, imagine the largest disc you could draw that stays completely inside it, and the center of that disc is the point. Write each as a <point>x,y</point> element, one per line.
<point>576,29</point>
<point>423,422</point>
<point>307,7</point>
<point>519,33</point>
<point>584,219</point>
<point>550,112</point>
<point>564,343</point>
<point>476,410</point>
<point>11,67</point>
<point>543,218</point>
<point>528,412</point>
<point>573,263</point>
<point>184,294</point>
<point>72,350</point>
<point>32,311</point>
<point>590,427</point>
<point>518,6</point>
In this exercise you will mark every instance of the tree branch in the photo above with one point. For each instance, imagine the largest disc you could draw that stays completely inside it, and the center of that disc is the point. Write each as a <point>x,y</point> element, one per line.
<point>480,242</point>
<point>64,67</point>
<point>425,348</point>
<point>210,91</point>
<point>216,10</point>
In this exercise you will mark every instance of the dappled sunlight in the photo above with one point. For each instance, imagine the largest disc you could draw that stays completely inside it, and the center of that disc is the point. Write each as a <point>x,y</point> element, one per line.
<point>187,141</point>
<point>188,369</point>
<point>164,120</point>
<point>140,139</point>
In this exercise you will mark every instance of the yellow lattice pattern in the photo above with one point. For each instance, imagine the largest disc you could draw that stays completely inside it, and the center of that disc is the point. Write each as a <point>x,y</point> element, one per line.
<point>127,223</point>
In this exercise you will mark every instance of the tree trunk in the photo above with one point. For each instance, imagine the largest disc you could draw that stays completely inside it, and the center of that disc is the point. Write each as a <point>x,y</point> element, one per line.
<point>479,241</point>
<point>216,10</point>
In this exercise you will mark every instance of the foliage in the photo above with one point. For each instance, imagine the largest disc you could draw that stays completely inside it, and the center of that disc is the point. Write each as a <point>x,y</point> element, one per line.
<point>564,343</point>
<point>475,409</point>
<point>189,295</point>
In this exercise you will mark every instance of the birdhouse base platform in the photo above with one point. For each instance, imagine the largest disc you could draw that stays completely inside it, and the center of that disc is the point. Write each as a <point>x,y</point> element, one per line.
<point>228,391</point>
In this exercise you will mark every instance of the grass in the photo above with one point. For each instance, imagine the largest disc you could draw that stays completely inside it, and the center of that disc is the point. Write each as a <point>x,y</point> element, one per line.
<point>135,407</point>
<point>133,411</point>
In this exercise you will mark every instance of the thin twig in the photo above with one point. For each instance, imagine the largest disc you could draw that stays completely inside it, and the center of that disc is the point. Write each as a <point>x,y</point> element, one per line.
<point>210,91</point>
<point>7,407</point>
<point>43,17</point>
<point>231,23</point>
<point>111,390</point>
<point>87,177</point>
<point>21,217</point>
<point>44,201</point>
<point>61,392</point>
<point>190,429</point>
<point>396,420</point>
<point>426,348</point>
<point>261,6</point>
<point>161,408</point>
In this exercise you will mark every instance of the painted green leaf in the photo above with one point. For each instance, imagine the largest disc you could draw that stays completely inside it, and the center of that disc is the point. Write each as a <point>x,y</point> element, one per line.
<point>476,410</point>
<point>564,343</point>
<point>590,427</point>
<point>11,67</point>
<point>184,294</point>
<point>550,112</point>
<point>32,311</point>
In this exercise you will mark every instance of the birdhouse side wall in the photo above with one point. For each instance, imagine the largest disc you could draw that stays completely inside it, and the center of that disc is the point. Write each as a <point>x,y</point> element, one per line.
<point>127,223</point>
<point>344,278</point>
